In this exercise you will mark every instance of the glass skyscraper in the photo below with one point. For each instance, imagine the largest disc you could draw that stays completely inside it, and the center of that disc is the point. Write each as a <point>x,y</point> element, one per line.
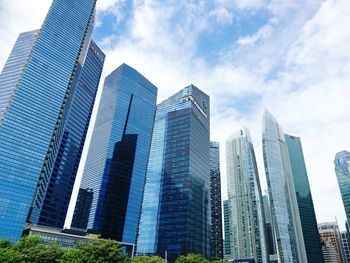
<point>110,195</point>
<point>227,243</point>
<point>283,201</point>
<point>245,200</point>
<point>345,241</point>
<point>58,194</point>
<point>342,170</point>
<point>270,243</point>
<point>304,198</point>
<point>34,105</point>
<point>176,214</point>
<point>215,195</point>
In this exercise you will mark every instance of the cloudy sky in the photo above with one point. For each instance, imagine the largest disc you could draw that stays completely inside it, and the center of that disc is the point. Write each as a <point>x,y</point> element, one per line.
<point>291,57</point>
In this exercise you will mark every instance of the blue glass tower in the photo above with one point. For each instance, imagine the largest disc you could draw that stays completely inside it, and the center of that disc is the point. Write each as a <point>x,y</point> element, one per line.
<point>58,194</point>
<point>114,174</point>
<point>175,216</point>
<point>289,239</point>
<point>305,204</point>
<point>342,170</point>
<point>34,109</point>
<point>215,197</point>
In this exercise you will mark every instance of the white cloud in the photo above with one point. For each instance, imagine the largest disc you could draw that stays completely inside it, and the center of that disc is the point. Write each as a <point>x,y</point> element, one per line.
<point>262,34</point>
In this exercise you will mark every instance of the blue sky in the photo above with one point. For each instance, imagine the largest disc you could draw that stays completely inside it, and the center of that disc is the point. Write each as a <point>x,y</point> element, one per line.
<point>291,57</point>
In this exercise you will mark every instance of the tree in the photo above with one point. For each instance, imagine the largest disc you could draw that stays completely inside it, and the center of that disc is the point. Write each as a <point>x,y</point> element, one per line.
<point>34,250</point>
<point>5,243</point>
<point>8,255</point>
<point>95,251</point>
<point>148,259</point>
<point>30,249</point>
<point>192,258</point>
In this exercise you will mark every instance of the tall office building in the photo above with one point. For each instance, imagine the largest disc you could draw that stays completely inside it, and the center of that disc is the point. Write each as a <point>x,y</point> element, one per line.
<point>215,197</point>
<point>270,242</point>
<point>245,200</point>
<point>115,169</point>
<point>227,243</point>
<point>58,194</point>
<point>176,214</point>
<point>304,198</point>
<point>342,169</point>
<point>38,90</point>
<point>283,201</point>
<point>331,242</point>
<point>345,242</point>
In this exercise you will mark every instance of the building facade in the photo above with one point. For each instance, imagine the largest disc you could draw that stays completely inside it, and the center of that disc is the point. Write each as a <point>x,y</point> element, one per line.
<point>227,241</point>
<point>34,107</point>
<point>69,238</point>
<point>215,197</point>
<point>304,198</point>
<point>270,242</point>
<point>286,223</point>
<point>113,178</point>
<point>342,170</point>
<point>245,199</point>
<point>58,194</point>
<point>176,213</point>
<point>331,242</point>
<point>345,242</point>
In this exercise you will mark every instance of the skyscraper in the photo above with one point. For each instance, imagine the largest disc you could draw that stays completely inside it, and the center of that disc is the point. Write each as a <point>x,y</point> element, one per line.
<point>331,242</point>
<point>342,170</point>
<point>244,199</point>
<point>227,242</point>
<point>175,217</point>
<point>34,107</point>
<point>283,201</point>
<point>270,243</point>
<point>304,198</point>
<point>113,178</point>
<point>345,242</point>
<point>56,200</point>
<point>215,197</point>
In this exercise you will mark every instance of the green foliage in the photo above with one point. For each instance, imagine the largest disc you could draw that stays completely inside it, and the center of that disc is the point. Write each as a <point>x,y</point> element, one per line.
<point>148,259</point>
<point>5,243</point>
<point>34,250</point>
<point>192,258</point>
<point>30,249</point>
<point>8,255</point>
<point>72,255</point>
<point>95,251</point>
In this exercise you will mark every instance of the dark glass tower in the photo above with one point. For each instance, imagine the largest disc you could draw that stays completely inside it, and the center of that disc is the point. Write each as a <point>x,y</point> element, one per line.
<point>345,241</point>
<point>34,108</point>
<point>270,244</point>
<point>304,198</point>
<point>215,195</point>
<point>175,217</point>
<point>342,170</point>
<point>55,205</point>
<point>113,179</point>
<point>227,230</point>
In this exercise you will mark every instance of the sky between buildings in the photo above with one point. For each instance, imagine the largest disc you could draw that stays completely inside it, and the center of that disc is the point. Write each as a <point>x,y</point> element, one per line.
<point>291,57</point>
